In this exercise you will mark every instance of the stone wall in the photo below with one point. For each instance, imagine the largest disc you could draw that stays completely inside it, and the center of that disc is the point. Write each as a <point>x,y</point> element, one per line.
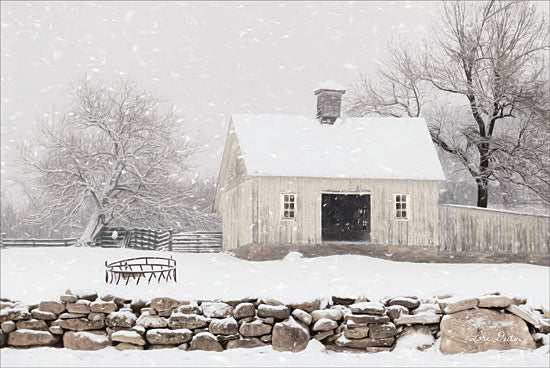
<point>89,322</point>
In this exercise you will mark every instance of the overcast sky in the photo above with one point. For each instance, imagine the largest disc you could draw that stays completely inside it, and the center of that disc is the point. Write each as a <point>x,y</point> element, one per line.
<point>210,59</point>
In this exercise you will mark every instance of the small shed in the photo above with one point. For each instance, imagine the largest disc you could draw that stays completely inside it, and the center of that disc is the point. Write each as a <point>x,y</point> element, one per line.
<point>292,179</point>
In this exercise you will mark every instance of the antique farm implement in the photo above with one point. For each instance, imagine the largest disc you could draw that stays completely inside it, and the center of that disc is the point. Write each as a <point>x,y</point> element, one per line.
<point>159,268</point>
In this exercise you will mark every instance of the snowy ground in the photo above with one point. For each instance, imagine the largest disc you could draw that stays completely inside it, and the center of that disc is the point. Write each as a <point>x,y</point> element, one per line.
<point>31,275</point>
<point>313,356</point>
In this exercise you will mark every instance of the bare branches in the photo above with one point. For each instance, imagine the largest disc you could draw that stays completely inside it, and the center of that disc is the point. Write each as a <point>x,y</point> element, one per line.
<point>120,155</point>
<point>494,55</point>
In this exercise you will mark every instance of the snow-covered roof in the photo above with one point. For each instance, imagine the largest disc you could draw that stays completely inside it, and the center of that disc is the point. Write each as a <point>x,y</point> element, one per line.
<point>330,85</point>
<point>377,147</point>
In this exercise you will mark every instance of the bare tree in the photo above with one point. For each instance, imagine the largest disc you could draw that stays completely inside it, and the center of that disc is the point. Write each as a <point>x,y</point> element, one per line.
<point>493,56</point>
<point>116,155</point>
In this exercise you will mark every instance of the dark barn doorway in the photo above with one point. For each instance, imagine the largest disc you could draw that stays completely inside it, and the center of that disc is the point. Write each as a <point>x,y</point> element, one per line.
<point>345,217</point>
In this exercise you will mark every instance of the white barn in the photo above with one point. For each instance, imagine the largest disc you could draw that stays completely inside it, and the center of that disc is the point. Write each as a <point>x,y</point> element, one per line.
<point>312,180</point>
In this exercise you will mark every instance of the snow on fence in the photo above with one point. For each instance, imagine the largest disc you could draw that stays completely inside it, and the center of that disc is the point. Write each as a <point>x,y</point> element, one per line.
<point>195,242</point>
<point>29,243</point>
<point>473,229</point>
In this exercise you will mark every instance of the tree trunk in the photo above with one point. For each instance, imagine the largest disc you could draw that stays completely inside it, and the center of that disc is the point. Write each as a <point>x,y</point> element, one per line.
<point>482,192</point>
<point>94,227</point>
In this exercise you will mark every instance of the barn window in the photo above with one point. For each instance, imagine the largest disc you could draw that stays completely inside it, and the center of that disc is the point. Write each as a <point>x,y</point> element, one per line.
<point>401,206</point>
<point>289,205</point>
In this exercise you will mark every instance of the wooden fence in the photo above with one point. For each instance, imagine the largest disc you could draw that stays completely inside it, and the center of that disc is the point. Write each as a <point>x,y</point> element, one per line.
<point>30,243</point>
<point>196,242</point>
<point>473,229</point>
<point>144,239</point>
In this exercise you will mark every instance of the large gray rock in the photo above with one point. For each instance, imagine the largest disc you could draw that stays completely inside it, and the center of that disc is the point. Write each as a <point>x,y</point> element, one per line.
<point>189,321</point>
<point>428,307</point>
<point>527,314</point>
<point>96,316</point>
<point>244,310</point>
<point>255,328</point>
<point>408,303</point>
<point>121,319</point>
<point>89,295</point>
<point>354,331</point>
<point>342,341</point>
<point>276,311</point>
<point>80,324</point>
<point>477,330</point>
<point>52,307</point>
<point>362,319</point>
<point>290,336</point>
<point>224,326</point>
<point>367,308</point>
<point>324,324</point>
<point>302,316</point>
<point>8,326</point>
<point>216,310</point>
<point>495,301</point>
<point>247,342</point>
<point>80,306</point>
<point>86,340</point>
<point>148,321</point>
<point>191,308</point>
<point>164,336</point>
<point>68,298</point>
<point>32,324</point>
<point>31,338</point>
<point>308,306</point>
<point>382,330</point>
<point>100,306</point>
<point>457,304</point>
<point>16,313</point>
<point>43,315</point>
<point>333,314</point>
<point>129,336</point>
<point>424,318</point>
<point>205,341</point>
<point>163,303</point>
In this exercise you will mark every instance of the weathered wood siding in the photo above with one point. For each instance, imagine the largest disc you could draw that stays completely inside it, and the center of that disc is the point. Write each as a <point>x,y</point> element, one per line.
<point>472,229</point>
<point>233,168</point>
<point>252,210</point>
<point>236,207</point>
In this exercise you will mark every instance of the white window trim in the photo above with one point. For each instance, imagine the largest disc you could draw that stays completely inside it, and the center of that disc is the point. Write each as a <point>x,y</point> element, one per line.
<point>283,206</point>
<point>408,205</point>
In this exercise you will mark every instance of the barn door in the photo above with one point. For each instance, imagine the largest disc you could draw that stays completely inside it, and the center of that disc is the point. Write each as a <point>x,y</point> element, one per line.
<point>346,217</point>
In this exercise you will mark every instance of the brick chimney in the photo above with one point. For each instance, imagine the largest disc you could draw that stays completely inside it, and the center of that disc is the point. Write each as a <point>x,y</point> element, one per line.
<point>329,101</point>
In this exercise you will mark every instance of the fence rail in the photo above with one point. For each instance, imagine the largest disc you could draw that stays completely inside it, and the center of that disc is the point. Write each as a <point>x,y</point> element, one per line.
<point>472,229</point>
<point>30,243</point>
<point>196,242</point>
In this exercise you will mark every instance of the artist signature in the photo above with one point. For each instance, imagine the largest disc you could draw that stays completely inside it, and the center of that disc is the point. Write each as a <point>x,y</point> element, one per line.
<point>501,337</point>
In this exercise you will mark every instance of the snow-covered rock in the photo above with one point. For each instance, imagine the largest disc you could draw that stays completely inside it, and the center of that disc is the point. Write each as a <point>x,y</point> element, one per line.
<point>32,324</point>
<point>205,341</point>
<point>148,321</point>
<point>164,336</point>
<point>333,314</point>
<point>121,319</point>
<point>247,343</point>
<point>225,326</point>
<point>255,328</point>
<point>324,324</point>
<point>52,307</point>
<point>100,306</point>
<point>216,310</point>
<point>40,314</point>
<point>131,337</point>
<point>276,311</point>
<point>302,316</point>
<point>86,340</point>
<point>457,304</point>
<point>244,310</point>
<point>31,338</point>
<point>290,336</point>
<point>81,324</point>
<point>423,318</point>
<point>189,321</point>
<point>367,308</point>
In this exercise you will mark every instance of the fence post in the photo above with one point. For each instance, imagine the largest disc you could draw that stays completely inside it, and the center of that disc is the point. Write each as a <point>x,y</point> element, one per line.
<point>171,231</point>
